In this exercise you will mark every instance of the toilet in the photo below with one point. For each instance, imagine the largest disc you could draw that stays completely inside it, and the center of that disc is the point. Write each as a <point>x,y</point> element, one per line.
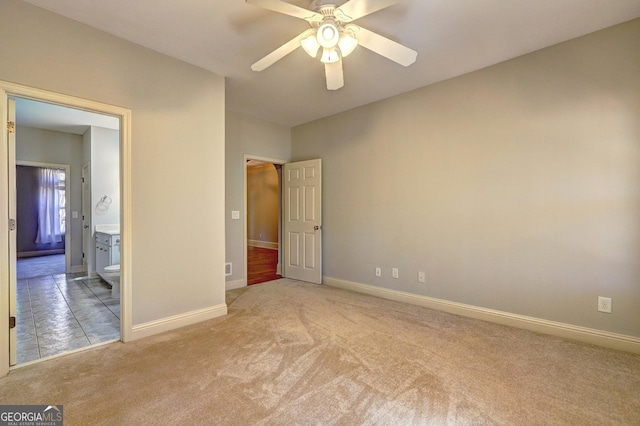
<point>112,276</point>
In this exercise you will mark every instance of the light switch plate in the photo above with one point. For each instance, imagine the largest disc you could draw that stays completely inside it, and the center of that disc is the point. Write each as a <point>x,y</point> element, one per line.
<point>74,215</point>
<point>235,214</point>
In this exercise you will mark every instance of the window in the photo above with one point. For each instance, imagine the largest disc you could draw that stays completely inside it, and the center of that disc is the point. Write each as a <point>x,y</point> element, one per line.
<point>51,206</point>
<point>61,184</point>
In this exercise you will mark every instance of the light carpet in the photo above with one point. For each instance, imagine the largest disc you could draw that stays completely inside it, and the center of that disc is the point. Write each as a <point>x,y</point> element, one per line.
<point>296,353</point>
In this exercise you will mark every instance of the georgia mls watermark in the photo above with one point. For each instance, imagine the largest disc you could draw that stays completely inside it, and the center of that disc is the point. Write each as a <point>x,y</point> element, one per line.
<point>31,415</point>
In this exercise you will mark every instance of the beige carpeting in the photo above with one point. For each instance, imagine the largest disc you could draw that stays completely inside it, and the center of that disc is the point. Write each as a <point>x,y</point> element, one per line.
<point>295,353</point>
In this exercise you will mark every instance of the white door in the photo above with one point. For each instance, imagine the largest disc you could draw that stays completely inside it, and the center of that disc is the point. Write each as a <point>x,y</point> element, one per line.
<point>11,165</point>
<point>303,221</point>
<point>86,218</point>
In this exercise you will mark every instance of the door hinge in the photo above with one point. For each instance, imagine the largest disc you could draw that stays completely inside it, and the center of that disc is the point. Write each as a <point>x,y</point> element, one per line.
<point>11,127</point>
<point>12,322</point>
<point>12,224</point>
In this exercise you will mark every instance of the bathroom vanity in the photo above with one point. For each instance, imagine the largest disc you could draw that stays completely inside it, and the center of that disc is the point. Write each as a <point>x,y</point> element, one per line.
<point>107,247</point>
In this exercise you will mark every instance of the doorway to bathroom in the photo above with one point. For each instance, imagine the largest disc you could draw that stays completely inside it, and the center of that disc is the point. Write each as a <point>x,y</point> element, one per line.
<point>263,179</point>
<point>61,307</point>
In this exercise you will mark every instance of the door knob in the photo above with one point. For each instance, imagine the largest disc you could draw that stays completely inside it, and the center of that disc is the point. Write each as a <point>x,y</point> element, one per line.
<point>316,228</point>
<point>86,226</point>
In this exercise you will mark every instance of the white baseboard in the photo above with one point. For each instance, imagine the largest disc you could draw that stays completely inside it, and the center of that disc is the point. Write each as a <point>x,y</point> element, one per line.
<point>263,244</point>
<point>171,323</point>
<point>76,269</point>
<point>583,334</point>
<point>39,253</point>
<point>232,285</point>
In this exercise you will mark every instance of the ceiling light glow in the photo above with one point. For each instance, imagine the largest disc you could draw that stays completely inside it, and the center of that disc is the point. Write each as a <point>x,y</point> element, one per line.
<point>310,44</point>
<point>328,35</point>
<point>347,44</point>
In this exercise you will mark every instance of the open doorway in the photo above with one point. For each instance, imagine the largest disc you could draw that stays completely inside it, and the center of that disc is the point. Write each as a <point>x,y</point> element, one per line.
<point>61,307</point>
<point>263,232</point>
<point>43,206</point>
<point>299,219</point>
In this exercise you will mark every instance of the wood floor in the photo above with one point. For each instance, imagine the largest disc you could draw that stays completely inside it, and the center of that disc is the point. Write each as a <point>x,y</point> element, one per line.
<point>262,265</point>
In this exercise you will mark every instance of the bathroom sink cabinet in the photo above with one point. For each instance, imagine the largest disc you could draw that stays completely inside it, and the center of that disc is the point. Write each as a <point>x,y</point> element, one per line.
<point>107,251</point>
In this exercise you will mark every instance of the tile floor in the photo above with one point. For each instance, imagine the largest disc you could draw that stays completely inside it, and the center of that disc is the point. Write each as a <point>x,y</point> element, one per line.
<point>58,312</point>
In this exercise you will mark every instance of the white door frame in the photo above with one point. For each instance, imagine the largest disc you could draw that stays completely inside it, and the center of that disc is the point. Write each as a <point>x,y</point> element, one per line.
<point>86,218</point>
<point>245,235</point>
<point>7,90</point>
<point>68,195</point>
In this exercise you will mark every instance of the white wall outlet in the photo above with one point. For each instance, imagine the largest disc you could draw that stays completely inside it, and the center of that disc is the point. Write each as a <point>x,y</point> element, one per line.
<point>235,214</point>
<point>421,277</point>
<point>378,272</point>
<point>228,270</point>
<point>394,273</point>
<point>604,304</point>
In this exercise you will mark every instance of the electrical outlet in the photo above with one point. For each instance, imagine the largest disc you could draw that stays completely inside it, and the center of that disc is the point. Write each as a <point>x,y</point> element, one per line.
<point>378,272</point>
<point>394,273</point>
<point>421,277</point>
<point>604,304</point>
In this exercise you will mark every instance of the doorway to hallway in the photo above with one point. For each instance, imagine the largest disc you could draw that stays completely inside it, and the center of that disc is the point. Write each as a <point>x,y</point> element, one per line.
<point>263,206</point>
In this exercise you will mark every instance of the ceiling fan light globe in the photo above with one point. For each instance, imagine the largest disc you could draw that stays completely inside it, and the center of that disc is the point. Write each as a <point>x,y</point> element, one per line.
<point>310,45</point>
<point>347,44</point>
<point>328,35</point>
<point>330,56</point>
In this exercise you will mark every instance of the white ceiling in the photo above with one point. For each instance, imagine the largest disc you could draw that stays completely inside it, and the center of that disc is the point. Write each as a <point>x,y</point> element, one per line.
<point>42,115</point>
<point>452,37</point>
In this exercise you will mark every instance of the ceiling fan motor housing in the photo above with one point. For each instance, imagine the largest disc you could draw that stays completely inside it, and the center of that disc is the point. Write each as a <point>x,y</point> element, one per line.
<point>318,4</point>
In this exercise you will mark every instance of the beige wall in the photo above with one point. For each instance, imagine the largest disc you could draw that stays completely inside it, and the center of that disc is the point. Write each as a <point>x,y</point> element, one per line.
<point>514,188</point>
<point>177,148</point>
<point>253,137</point>
<point>263,203</point>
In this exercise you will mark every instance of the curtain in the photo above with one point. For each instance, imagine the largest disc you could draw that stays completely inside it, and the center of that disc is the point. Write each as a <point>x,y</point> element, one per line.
<point>49,208</point>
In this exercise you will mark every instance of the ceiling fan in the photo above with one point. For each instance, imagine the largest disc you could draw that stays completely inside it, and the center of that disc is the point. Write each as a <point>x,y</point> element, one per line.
<point>333,33</point>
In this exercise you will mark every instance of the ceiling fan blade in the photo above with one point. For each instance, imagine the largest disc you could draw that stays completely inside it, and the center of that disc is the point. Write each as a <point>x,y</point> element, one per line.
<point>279,53</point>
<point>287,9</point>
<point>385,47</point>
<point>354,9</point>
<point>335,76</point>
